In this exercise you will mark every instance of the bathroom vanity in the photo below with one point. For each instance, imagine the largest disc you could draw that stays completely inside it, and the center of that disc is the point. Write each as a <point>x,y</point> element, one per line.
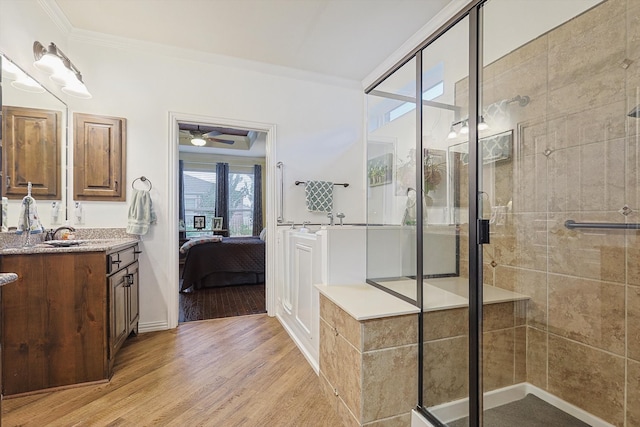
<point>69,312</point>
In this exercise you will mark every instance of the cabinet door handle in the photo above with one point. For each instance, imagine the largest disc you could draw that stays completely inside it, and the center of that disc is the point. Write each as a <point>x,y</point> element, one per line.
<point>137,252</point>
<point>116,261</point>
<point>129,280</point>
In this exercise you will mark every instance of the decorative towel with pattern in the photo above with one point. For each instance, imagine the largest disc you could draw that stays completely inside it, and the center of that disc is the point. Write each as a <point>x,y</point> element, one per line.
<point>28,219</point>
<point>319,196</point>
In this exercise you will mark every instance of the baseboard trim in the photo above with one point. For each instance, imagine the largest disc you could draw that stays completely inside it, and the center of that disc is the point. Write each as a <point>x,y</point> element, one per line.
<point>457,409</point>
<point>152,327</point>
<point>312,361</point>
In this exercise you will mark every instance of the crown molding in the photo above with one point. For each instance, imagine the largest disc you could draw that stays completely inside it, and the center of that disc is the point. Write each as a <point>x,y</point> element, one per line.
<point>58,17</point>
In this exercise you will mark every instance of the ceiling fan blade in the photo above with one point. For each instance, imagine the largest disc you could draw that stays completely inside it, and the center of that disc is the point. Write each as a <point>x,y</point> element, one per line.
<point>222,141</point>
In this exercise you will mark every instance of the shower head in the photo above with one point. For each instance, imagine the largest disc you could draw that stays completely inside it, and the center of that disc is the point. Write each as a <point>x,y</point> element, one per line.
<point>635,112</point>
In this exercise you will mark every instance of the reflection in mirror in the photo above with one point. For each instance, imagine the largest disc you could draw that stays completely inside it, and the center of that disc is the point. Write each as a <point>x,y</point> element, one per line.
<point>38,115</point>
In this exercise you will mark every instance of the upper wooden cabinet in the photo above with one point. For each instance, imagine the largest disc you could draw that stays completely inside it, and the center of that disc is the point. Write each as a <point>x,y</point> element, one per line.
<point>99,157</point>
<point>31,151</point>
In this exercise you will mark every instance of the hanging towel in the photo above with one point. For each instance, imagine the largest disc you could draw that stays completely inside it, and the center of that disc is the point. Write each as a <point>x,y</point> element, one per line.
<point>141,213</point>
<point>28,220</point>
<point>319,196</point>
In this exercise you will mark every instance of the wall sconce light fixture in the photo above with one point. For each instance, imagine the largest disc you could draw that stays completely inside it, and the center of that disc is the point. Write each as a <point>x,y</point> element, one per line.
<point>20,80</point>
<point>464,127</point>
<point>62,71</point>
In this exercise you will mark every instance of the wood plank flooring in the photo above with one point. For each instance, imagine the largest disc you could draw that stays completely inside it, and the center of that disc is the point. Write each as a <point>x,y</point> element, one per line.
<point>237,371</point>
<point>228,301</point>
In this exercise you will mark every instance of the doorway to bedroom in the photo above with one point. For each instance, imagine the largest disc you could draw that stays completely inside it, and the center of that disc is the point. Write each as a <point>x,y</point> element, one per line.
<point>221,196</point>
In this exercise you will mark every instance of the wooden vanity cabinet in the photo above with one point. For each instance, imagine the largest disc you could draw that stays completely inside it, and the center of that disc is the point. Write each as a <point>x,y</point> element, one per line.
<point>59,319</point>
<point>124,309</point>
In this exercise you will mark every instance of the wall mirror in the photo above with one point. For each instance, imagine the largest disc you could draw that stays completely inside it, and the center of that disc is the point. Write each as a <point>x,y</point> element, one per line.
<point>32,114</point>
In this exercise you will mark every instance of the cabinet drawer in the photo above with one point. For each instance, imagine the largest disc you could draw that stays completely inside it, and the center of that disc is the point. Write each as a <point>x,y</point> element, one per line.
<point>121,259</point>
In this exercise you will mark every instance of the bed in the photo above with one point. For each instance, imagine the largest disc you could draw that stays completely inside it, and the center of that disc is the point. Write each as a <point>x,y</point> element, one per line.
<point>231,261</point>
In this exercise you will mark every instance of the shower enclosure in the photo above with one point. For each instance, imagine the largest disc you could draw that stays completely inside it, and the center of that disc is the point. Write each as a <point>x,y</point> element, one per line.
<point>504,201</point>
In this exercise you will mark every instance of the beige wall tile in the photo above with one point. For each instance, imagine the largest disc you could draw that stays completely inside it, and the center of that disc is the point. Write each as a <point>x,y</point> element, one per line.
<point>598,49</point>
<point>633,30</point>
<point>633,322</point>
<point>588,311</point>
<point>498,359</point>
<point>346,325</point>
<point>347,417</point>
<point>520,355</point>
<point>601,123</point>
<point>498,316</point>
<point>403,420</point>
<point>583,253</point>
<point>389,382</point>
<point>633,393</point>
<point>328,391</point>
<point>349,380</point>
<point>632,190</point>
<point>446,370</point>
<point>445,323</point>
<point>608,11</point>
<point>390,332</point>
<point>528,282</point>
<point>588,378</point>
<point>340,363</point>
<point>587,92</point>
<point>327,357</point>
<point>523,243</point>
<point>537,357</point>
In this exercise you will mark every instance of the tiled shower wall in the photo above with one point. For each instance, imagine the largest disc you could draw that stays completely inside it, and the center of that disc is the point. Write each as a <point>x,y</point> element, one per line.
<point>576,155</point>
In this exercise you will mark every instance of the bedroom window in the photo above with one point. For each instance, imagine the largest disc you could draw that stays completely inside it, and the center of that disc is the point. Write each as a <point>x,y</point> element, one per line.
<point>199,199</point>
<point>241,203</point>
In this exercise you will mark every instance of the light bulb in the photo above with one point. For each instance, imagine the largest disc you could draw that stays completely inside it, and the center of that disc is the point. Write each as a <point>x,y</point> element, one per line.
<point>198,142</point>
<point>482,125</point>
<point>452,133</point>
<point>465,127</point>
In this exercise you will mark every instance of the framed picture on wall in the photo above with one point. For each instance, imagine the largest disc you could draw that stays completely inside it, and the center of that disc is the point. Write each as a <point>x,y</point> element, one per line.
<point>217,223</point>
<point>199,222</point>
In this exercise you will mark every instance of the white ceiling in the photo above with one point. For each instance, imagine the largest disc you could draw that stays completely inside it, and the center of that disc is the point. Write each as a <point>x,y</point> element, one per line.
<point>342,38</point>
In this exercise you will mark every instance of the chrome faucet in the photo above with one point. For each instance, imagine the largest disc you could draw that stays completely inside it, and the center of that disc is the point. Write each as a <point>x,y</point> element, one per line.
<point>331,220</point>
<point>341,216</point>
<point>51,234</point>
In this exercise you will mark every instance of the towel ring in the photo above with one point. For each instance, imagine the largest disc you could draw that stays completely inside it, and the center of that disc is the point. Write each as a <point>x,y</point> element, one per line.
<point>143,179</point>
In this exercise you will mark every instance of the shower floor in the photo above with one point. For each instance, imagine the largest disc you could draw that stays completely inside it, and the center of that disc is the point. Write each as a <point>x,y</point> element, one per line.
<point>530,411</point>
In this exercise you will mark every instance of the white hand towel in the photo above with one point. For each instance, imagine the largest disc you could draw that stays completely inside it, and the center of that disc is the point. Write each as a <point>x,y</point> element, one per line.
<point>141,213</point>
<point>319,196</point>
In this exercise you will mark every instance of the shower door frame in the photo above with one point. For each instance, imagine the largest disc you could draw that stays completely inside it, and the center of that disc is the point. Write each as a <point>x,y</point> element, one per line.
<point>475,395</point>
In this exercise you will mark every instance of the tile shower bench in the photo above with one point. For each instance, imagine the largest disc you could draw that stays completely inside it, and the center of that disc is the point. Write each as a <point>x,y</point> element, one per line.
<point>368,352</point>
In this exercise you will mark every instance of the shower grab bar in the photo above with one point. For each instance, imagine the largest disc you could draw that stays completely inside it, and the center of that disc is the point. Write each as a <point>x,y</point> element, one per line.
<point>280,166</point>
<point>571,224</point>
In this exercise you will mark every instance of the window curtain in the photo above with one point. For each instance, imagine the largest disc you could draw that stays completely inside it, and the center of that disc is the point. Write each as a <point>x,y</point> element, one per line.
<point>222,193</point>
<point>181,214</point>
<point>257,200</point>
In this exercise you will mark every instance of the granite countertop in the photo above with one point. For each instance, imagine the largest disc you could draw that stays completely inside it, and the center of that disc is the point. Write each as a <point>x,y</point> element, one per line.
<point>6,278</point>
<point>86,245</point>
<point>87,240</point>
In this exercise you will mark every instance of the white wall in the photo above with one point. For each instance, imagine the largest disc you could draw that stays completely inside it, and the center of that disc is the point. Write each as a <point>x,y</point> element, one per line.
<point>319,127</point>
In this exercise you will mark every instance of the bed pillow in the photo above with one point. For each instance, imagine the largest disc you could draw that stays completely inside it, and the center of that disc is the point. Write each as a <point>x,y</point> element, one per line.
<point>197,240</point>
<point>263,234</point>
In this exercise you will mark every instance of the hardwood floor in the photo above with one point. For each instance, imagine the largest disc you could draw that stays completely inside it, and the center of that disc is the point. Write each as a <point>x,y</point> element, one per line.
<point>228,301</point>
<point>237,371</point>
